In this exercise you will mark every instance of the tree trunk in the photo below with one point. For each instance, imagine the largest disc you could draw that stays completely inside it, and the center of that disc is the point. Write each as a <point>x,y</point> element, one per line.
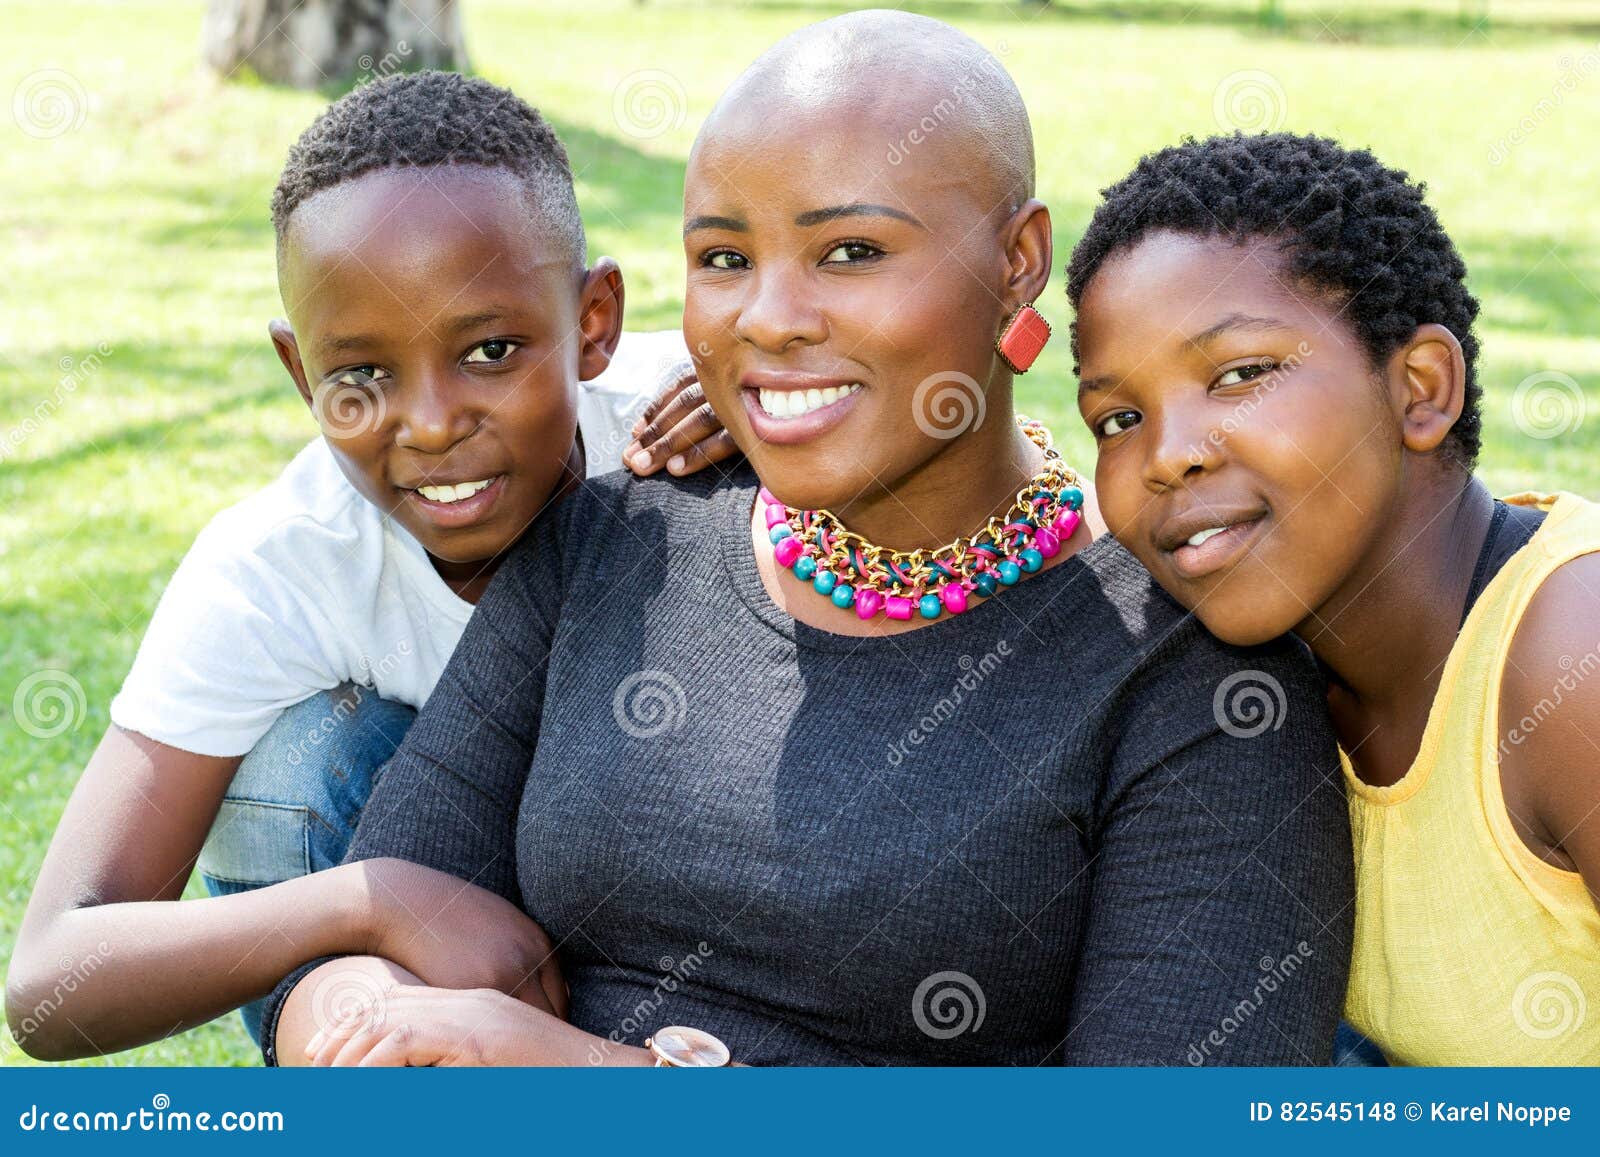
<point>318,43</point>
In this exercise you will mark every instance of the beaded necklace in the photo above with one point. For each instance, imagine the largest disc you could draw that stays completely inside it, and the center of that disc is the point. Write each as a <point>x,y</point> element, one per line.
<point>854,573</point>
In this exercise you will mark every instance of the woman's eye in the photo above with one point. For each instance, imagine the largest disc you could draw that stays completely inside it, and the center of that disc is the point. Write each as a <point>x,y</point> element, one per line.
<point>850,251</point>
<point>495,350</point>
<point>726,259</point>
<point>359,376</point>
<point>1118,422</point>
<point>1241,374</point>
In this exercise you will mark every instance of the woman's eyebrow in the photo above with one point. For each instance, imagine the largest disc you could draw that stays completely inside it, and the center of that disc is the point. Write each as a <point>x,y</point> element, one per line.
<point>854,209</point>
<point>707,221</point>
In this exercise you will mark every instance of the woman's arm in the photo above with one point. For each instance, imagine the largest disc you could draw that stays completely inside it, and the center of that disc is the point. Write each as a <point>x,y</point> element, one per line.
<point>1221,909</point>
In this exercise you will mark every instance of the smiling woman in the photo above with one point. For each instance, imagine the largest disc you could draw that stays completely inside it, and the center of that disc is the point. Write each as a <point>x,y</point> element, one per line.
<point>658,741</point>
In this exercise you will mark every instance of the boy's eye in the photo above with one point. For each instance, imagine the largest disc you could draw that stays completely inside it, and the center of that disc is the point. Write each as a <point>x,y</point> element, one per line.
<point>359,376</point>
<point>850,251</point>
<point>494,350</point>
<point>1241,374</point>
<point>1116,423</point>
<point>726,259</point>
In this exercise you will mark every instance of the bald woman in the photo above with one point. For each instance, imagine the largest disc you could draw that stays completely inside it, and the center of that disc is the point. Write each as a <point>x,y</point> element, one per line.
<point>867,751</point>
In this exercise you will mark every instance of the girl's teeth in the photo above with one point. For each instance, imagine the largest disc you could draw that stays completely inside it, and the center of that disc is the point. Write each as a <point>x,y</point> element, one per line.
<point>452,493</point>
<point>793,403</point>
<point>1197,539</point>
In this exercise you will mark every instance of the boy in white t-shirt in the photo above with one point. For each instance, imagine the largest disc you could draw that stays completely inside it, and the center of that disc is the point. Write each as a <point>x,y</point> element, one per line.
<point>467,369</point>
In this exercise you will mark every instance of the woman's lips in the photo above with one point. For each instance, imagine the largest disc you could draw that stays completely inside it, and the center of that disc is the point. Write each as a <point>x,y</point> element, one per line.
<point>1218,550</point>
<point>790,431</point>
<point>464,512</point>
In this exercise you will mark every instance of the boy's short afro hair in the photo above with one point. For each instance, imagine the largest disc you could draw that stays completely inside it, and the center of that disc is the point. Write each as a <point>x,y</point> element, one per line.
<point>427,119</point>
<point>1348,226</point>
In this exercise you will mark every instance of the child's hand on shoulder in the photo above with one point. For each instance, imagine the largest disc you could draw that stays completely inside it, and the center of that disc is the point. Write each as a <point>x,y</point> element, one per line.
<point>678,430</point>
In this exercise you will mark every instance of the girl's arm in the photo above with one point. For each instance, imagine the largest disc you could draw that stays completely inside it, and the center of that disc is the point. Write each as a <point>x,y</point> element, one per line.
<point>107,957</point>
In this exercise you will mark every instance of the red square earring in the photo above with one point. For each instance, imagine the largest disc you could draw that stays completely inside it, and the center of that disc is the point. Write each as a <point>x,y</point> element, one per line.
<point>1022,338</point>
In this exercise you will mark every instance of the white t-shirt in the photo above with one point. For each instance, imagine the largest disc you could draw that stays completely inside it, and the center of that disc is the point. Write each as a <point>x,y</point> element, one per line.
<point>306,585</point>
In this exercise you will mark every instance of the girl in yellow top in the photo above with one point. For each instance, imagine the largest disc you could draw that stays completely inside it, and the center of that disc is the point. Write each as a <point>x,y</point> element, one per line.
<point>1276,356</point>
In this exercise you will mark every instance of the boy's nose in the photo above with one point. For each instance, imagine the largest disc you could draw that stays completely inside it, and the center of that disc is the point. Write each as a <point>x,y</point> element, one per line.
<point>778,313</point>
<point>435,414</point>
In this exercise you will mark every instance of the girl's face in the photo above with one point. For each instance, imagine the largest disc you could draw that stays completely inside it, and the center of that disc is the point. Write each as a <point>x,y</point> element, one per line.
<point>1248,451</point>
<point>842,309</point>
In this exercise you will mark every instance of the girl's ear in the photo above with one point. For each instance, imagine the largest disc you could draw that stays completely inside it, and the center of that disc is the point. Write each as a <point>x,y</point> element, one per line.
<point>283,340</point>
<point>1028,252</point>
<point>1431,374</point>
<point>599,318</point>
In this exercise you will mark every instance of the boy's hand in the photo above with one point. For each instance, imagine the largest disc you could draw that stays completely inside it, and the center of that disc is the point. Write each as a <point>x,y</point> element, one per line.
<point>678,430</point>
<point>456,935</point>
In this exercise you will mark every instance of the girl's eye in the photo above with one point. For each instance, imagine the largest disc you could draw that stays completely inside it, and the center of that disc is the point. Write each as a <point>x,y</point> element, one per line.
<point>726,259</point>
<point>1118,422</point>
<point>1241,374</point>
<point>359,376</point>
<point>850,251</point>
<point>494,350</point>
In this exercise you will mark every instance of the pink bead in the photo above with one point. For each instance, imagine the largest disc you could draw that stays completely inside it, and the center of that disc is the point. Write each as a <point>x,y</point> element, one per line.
<point>954,596</point>
<point>776,513</point>
<point>1066,522</point>
<point>1046,543</point>
<point>868,603</point>
<point>787,550</point>
<point>898,608</point>
<point>766,496</point>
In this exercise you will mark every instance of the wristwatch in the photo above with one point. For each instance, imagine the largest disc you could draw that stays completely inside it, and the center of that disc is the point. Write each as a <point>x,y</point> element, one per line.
<point>677,1047</point>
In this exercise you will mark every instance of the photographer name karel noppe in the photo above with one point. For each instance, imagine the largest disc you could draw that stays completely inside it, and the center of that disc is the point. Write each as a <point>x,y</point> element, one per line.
<point>1442,1111</point>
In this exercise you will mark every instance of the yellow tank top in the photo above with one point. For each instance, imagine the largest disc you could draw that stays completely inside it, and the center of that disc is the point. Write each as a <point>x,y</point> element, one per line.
<point>1470,949</point>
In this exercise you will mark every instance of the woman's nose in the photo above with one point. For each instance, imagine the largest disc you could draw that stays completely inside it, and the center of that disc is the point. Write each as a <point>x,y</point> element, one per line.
<point>780,311</point>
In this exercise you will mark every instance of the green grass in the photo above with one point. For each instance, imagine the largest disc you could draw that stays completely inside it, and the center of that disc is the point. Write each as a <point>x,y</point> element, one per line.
<point>143,233</point>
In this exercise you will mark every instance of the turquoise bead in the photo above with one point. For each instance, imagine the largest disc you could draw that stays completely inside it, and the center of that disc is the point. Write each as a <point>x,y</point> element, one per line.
<point>1072,497</point>
<point>780,532</point>
<point>843,595</point>
<point>984,584</point>
<point>824,583</point>
<point>1010,572</point>
<point>1032,560</point>
<point>805,566</point>
<point>929,606</point>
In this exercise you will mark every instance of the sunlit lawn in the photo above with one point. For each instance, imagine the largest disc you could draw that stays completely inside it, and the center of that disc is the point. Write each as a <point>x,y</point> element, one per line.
<point>138,393</point>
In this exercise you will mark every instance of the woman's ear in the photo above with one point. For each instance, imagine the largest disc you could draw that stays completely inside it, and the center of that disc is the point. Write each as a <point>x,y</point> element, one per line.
<point>1430,375</point>
<point>599,318</point>
<point>1029,251</point>
<point>283,340</point>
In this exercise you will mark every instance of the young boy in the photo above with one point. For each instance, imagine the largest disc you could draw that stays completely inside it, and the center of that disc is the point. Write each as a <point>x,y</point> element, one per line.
<point>446,333</point>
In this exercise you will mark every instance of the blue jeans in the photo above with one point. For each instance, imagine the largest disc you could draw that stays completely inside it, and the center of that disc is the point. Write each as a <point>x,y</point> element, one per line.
<point>295,800</point>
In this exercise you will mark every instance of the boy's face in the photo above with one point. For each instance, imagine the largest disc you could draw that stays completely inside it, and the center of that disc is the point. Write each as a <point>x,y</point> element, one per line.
<point>1221,396</point>
<point>825,285</point>
<point>438,333</point>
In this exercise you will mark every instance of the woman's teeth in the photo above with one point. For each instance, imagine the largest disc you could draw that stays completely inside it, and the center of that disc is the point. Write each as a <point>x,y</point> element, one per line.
<point>794,403</point>
<point>1197,539</point>
<point>452,493</point>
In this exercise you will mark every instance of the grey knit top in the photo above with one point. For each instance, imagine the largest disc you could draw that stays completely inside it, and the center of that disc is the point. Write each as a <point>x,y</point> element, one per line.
<point>1067,826</point>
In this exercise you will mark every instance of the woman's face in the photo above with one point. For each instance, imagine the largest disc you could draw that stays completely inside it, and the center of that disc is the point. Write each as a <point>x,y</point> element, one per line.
<point>843,308</point>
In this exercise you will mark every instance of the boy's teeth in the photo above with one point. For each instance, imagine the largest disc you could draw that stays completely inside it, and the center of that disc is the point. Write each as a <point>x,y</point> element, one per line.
<point>1197,539</point>
<point>793,403</point>
<point>452,493</point>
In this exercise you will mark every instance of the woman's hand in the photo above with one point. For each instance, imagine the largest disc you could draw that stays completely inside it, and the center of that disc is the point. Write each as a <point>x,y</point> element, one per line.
<point>412,1025</point>
<point>458,936</point>
<point>679,429</point>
